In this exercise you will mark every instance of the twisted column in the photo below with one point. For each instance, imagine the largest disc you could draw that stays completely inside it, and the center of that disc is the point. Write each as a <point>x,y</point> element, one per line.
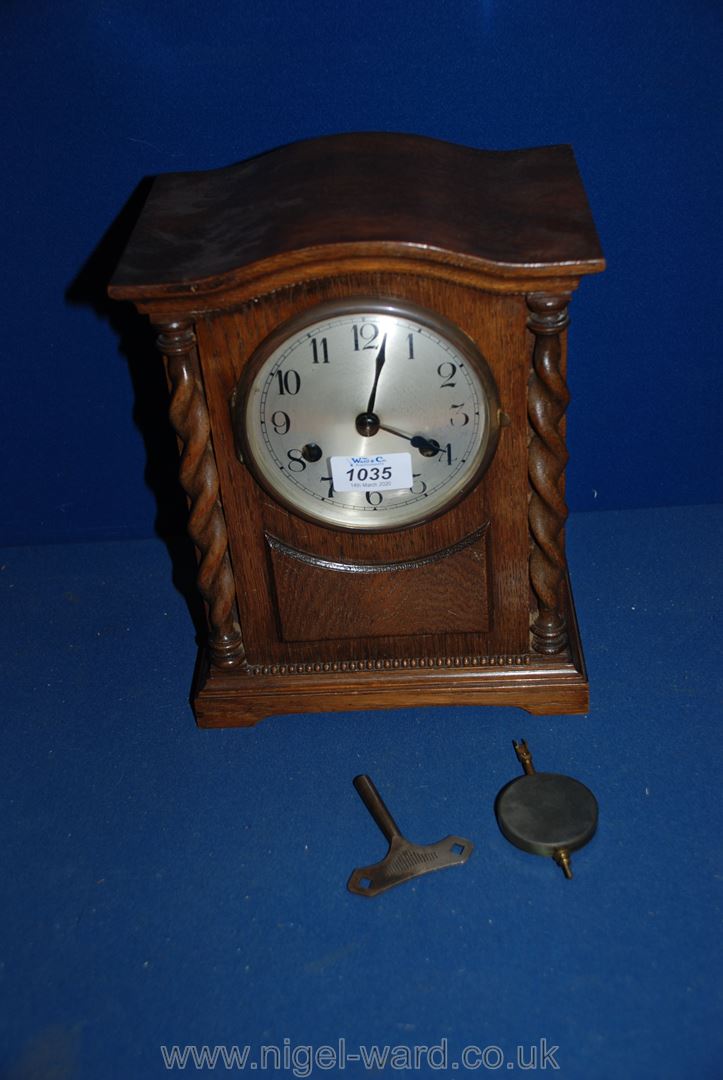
<point>199,479</point>
<point>547,398</point>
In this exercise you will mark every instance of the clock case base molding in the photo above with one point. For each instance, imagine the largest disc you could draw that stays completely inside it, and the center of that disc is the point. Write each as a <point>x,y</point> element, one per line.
<point>542,685</point>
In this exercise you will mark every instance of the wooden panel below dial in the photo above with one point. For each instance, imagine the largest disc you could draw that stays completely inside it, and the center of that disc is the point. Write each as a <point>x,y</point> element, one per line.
<point>318,599</point>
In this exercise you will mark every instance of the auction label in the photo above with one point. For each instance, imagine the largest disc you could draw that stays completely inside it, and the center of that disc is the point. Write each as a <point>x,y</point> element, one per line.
<point>381,472</point>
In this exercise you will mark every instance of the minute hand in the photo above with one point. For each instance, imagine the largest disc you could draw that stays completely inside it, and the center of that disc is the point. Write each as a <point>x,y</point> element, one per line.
<point>381,357</point>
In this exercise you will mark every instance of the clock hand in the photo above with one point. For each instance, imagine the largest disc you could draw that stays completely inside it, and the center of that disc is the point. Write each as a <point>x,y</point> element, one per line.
<point>367,423</point>
<point>427,447</point>
<point>381,358</point>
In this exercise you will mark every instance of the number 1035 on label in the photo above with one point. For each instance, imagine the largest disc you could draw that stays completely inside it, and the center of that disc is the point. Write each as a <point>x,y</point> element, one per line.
<point>381,472</point>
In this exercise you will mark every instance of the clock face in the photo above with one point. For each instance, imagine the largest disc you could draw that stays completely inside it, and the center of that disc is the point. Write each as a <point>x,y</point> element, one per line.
<point>367,415</point>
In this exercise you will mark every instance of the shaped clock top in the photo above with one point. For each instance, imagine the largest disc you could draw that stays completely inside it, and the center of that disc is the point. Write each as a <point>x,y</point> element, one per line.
<point>358,196</point>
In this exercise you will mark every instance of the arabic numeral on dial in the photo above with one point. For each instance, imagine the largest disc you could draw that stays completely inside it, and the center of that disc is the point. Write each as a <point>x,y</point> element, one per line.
<point>446,372</point>
<point>320,351</point>
<point>296,461</point>
<point>289,382</point>
<point>410,345</point>
<point>281,422</point>
<point>418,485</point>
<point>365,336</point>
<point>330,480</point>
<point>447,453</point>
<point>374,498</point>
<point>459,419</point>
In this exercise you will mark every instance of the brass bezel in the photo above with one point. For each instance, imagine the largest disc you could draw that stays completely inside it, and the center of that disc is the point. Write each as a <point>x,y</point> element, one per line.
<point>372,306</point>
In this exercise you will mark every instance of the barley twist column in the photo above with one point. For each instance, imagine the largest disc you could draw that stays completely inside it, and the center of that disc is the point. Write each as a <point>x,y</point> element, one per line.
<point>199,479</point>
<point>547,399</point>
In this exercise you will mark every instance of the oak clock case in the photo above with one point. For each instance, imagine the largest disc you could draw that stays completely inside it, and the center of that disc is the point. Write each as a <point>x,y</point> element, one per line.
<point>304,328</point>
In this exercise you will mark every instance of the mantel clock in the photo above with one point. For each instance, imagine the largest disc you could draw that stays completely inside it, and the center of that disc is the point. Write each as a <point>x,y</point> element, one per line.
<point>364,338</point>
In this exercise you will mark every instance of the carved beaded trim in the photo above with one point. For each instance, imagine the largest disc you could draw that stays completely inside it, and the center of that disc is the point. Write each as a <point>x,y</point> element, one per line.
<point>209,313</point>
<point>396,664</point>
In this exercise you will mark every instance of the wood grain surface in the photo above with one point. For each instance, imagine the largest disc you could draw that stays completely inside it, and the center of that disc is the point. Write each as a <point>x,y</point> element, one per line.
<point>439,612</point>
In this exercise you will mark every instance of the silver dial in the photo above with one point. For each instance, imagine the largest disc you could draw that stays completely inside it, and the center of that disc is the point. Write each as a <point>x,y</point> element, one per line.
<point>381,395</point>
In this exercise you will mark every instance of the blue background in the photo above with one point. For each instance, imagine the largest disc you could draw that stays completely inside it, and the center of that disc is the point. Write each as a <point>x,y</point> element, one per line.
<point>166,885</point>
<point>98,96</point>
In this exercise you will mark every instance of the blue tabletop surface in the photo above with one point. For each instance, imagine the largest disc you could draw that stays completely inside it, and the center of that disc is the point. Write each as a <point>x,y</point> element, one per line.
<point>168,886</point>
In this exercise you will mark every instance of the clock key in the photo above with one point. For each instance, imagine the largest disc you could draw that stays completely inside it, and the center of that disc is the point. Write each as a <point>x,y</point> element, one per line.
<point>403,860</point>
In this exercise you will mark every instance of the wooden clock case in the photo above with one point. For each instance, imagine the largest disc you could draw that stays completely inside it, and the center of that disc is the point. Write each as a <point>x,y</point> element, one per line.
<point>472,607</point>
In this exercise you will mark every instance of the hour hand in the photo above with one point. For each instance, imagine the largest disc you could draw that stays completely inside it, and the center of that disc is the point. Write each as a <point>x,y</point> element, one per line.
<point>426,447</point>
